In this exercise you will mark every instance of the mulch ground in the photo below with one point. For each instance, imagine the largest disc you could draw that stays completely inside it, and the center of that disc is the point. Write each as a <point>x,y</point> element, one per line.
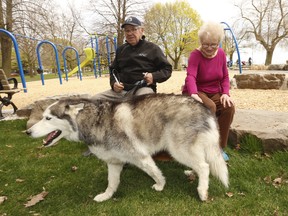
<point>256,99</point>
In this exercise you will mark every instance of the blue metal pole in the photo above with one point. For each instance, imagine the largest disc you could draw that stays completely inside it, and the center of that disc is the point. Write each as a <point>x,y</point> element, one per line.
<point>115,42</point>
<point>27,37</point>
<point>78,62</point>
<point>94,59</point>
<point>91,40</point>
<point>19,62</point>
<point>31,38</point>
<point>98,55</point>
<point>56,57</point>
<point>108,49</point>
<point>65,65</point>
<point>40,69</point>
<point>236,45</point>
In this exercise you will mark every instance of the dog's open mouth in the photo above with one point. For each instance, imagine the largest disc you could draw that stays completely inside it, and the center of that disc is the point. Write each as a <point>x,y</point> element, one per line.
<point>51,136</point>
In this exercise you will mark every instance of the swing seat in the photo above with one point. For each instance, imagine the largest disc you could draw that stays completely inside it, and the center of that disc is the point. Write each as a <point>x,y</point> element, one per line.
<point>8,87</point>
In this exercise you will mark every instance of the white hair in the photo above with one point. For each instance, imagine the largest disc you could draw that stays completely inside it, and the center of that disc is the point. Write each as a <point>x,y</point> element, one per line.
<point>211,30</point>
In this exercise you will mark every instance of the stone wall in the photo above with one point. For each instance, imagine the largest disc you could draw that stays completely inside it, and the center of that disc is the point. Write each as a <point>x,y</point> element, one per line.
<point>277,67</point>
<point>260,81</point>
<point>268,126</point>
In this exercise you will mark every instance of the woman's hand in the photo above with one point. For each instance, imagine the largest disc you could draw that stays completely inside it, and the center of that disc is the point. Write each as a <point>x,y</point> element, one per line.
<point>196,97</point>
<point>226,100</point>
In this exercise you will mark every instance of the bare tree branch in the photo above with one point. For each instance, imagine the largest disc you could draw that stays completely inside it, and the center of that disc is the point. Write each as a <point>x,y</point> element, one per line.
<point>267,21</point>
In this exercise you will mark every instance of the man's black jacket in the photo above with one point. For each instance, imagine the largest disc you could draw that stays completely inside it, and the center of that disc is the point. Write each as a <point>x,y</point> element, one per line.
<point>132,61</point>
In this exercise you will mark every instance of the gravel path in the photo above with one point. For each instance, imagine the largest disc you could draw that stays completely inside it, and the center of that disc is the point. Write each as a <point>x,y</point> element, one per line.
<point>273,100</point>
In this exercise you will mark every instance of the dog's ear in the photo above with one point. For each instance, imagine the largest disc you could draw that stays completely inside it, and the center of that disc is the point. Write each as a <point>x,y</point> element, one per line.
<point>75,108</point>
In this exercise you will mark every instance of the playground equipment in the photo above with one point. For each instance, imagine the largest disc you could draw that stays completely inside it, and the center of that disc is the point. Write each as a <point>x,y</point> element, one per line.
<point>89,52</point>
<point>108,50</point>
<point>98,55</point>
<point>115,41</point>
<point>40,70</point>
<point>18,57</point>
<point>40,63</point>
<point>78,62</point>
<point>90,55</point>
<point>236,44</point>
<point>94,60</point>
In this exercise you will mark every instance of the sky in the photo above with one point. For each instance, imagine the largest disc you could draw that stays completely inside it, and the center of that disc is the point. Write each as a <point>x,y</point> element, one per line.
<point>219,11</point>
<point>216,10</point>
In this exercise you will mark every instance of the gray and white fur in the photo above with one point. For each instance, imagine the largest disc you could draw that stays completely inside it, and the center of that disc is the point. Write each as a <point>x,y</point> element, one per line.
<point>132,131</point>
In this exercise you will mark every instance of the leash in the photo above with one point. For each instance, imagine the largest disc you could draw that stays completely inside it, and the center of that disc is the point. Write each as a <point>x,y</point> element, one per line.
<point>138,85</point>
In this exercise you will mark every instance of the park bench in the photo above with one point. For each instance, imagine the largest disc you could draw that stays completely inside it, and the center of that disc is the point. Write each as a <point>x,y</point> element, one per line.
<point>8,87</point>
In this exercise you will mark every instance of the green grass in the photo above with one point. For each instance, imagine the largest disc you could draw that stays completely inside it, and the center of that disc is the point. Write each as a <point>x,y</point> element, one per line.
<point>251,144</point>
<point>72,192</point>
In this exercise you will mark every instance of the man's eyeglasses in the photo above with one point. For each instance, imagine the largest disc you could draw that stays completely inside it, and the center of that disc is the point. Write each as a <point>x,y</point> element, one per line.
<point>132,30</point>
<point>213,46</point>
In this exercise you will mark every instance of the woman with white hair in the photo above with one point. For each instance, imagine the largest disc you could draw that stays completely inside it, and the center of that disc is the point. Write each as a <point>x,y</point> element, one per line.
<point>207,78</point>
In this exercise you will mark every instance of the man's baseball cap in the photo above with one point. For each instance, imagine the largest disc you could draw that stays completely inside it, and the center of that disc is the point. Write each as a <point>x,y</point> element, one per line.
<point>131,21</point>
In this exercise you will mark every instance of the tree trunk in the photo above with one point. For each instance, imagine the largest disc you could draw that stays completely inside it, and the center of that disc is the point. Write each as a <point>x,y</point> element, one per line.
<point>6,50</point>
<point>269,55</point>
<point>120,39</point>
<point>6,42</point>
<point>176,63</point>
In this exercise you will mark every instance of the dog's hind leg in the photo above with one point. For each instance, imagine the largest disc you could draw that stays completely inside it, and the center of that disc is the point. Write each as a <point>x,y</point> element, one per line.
<point>203,185</point>
<point>202,170</point>
<point>196,161</point>
<point>148,165</point>
<point>114,171</point>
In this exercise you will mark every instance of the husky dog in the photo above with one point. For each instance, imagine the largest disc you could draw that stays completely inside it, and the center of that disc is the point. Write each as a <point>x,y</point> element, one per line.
<point>133,130</point>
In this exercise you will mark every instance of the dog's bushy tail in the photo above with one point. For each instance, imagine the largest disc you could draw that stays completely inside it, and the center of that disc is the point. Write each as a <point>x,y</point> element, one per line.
<point>218,166</point>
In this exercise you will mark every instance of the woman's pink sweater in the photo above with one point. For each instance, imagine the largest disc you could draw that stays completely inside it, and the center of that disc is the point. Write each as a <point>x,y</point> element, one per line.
<point>209,75</point>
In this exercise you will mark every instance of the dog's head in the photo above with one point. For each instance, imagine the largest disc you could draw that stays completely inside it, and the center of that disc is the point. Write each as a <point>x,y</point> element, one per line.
<point>59,121</point>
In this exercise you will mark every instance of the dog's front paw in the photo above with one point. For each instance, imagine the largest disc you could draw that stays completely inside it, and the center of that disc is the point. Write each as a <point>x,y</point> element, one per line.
<point>102,197</point>
<point>189,172</point>
<point>203,194</point>
<point>158,187</point>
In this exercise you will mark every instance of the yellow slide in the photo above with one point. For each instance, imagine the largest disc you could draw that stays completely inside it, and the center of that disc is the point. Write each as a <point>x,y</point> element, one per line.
<point>90,55</point>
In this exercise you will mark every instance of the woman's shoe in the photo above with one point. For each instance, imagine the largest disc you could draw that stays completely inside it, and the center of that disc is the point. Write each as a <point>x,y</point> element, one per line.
<point>225,156</point>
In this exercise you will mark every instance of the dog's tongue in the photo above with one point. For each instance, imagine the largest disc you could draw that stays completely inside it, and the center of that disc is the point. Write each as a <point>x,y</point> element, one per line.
<point>51,136</point>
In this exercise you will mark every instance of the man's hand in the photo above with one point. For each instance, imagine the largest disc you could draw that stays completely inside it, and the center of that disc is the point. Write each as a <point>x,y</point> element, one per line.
<point>148,77</point>
<point>118,87</point>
